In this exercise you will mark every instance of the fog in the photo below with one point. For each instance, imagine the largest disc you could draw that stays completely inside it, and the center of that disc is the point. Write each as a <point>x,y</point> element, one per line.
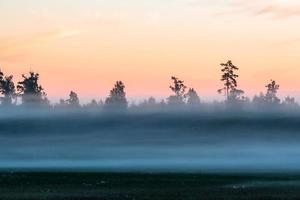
<point>158,141</point>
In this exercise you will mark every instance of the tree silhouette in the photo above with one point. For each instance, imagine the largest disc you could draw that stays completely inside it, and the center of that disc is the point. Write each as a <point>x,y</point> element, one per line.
<point>192,97</point>
<point>117,97</point>
<point>162,104</point>
<point>149,103</point>
<point>61,104</point>
<point>31,92</point>
<point>178,88</point>
<point>259,100</point>
<point>91,105</point>
<point>73,99</point>
<point>271,95</point>
<point>7,89</point>
<point>290,102</point>
<point>229,77</point>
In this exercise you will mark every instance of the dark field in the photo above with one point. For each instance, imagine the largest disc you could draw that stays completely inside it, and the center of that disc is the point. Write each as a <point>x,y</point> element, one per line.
<point>31,186</point>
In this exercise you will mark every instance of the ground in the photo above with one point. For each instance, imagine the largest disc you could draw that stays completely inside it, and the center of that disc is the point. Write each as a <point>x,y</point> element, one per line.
<point>117,186</point>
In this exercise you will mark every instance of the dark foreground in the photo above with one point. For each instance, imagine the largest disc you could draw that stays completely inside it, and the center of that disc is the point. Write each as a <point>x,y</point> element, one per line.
<point>137,186</point>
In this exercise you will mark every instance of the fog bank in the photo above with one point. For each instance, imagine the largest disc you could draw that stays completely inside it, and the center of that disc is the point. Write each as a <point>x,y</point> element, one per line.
<point>151,141</point>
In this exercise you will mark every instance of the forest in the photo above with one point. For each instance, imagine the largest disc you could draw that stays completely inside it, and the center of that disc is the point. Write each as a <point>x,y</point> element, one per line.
<point>28,93</point>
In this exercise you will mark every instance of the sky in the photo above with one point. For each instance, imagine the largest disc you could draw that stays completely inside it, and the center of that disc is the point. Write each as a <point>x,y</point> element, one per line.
<point>87,45</point>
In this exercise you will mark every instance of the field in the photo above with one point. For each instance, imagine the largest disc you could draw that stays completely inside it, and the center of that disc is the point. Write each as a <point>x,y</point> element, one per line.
<point>120,186</point>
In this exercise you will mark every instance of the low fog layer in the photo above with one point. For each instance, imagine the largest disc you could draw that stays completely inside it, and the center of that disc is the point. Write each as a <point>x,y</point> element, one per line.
<point>151,141</point>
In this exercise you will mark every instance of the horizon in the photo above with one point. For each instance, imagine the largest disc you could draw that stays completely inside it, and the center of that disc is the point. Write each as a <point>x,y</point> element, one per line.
<point>139,99</point>
<point>144,43</point>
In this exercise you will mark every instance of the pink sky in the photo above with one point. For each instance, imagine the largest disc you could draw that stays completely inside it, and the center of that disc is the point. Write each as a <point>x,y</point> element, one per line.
<point>86,46</point>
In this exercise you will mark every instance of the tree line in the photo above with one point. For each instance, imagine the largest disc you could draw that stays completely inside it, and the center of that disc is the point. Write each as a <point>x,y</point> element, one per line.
<point>29,93</point>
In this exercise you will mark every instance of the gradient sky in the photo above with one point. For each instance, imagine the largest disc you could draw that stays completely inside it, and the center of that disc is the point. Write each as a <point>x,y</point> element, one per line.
<point>86,45</point>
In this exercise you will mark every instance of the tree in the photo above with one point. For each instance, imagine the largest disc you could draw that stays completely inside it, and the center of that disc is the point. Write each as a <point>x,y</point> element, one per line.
<point>192,97</point>
<point>61,104</point>
<point>271,95</point>
<point>31,92</point>
<point>149,104</point>
<point>73,99</point>
<point>178,88</point>
<point>151,101</point>
<point>259,100</point>
<point>269,99</point>
<point>92,105</point>
<point>162,104</point>
<point>289,100</point>
<point>117,97</point>
<point>229,77</point>
<point>7,89</point>
<point>290,103</point>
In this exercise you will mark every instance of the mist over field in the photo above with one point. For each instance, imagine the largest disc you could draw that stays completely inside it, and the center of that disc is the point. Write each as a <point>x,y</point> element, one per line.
<point>158,141</point>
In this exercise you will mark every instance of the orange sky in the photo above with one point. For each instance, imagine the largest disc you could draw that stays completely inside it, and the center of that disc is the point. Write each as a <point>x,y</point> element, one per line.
<point>86,45</point>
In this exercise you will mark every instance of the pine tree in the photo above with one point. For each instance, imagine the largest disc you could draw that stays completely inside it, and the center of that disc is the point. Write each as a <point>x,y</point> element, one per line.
<point>229,77</point>
<point>7,89</point>
<point>271,95</point>
<point>117,97</point>
<point>290,103</point>
<point>192,97</point>
<point>259,100</point>
<point>178,88</point>
<point>61,104</point>
<point>73,100</point>
<point>92,105</point>
<point>31,92</point>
